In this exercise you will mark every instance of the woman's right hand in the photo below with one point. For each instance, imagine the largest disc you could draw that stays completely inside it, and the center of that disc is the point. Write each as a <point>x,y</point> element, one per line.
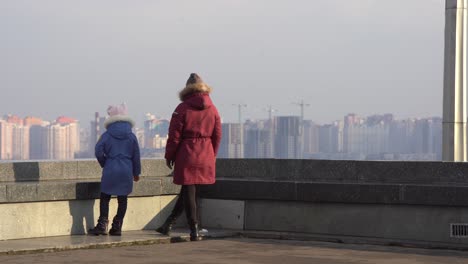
<point>169,164</point>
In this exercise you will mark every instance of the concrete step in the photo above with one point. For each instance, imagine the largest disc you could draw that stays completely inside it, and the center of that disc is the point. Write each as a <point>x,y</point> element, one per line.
<point>128,238</point>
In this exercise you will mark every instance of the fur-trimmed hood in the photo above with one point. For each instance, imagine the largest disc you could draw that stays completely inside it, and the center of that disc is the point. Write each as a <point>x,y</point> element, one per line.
<point>118,118</point>
<point>194,88</point>
<point>119,127</point>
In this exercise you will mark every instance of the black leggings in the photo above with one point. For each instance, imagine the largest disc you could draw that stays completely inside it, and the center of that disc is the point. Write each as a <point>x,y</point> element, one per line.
<point>187,200</point>
<point>104,206</point>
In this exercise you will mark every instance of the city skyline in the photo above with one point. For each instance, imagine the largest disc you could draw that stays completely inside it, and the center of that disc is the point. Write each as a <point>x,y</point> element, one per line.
<point>338,56</point>
<point>245,119</point>
<point>378,136</point>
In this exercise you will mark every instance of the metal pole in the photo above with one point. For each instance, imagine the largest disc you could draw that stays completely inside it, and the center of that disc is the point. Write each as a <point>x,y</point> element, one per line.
<point>455,103</point>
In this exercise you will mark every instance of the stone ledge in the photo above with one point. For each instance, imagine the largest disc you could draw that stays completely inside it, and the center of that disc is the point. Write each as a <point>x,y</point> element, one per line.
<point>78,190</point>
<point>129,238</point>
<point>381,172</point>
<point>68,170</point>
<point>341,171</point>
<point>319,192</point>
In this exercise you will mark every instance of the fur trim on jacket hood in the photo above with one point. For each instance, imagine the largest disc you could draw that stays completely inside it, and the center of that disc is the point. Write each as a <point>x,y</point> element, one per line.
<point>119,118</point>
<point>194,88</point>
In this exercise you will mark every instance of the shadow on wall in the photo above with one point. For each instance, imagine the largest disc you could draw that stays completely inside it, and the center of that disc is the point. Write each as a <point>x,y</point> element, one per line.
<point>83,217</point>
<point>26,171</point>
<point>82,209</point>
<point>82,213</point>
<point>161,216</point>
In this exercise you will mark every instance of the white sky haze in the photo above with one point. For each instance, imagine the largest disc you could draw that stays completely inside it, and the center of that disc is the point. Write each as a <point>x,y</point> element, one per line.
<point>63,57</point>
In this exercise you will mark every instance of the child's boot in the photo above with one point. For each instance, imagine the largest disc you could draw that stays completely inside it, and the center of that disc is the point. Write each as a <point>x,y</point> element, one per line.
<point>116,229</point>
<point>100,228</point>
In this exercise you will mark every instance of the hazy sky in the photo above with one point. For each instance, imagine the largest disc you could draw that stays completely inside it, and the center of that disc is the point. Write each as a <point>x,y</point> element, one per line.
<point>60,57</point>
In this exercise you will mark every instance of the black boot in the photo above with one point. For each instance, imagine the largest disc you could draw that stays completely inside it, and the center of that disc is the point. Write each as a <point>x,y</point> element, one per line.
<point>100,228</point>
<point>116,229</point>
<point>166,228</point>
<point>194,235</point>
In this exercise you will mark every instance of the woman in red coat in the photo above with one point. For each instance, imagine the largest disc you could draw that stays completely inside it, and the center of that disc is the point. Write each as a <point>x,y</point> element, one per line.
<point>192,146</point>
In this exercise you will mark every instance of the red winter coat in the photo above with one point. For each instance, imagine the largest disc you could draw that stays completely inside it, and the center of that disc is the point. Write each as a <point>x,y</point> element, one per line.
<point>194,137</point>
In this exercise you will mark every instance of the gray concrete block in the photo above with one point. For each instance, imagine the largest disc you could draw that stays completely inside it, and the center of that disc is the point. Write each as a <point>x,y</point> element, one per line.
<point>154,167</point>
<point>327,170</point>
<point>26,171</point>
<point>3,193</point>
<point>88,190</point>
<point>147,187</point>
<point>21,192</point>
<point>89,169</point>
<point>441,172</point>
<point>246,190</point>
<point>381,172</point>
<point>167,187</point>
<point>435,195</point>
<point>384,172</point>
<point>6,172</point>
<point>70,170</point>
<point>54,191</point>
<point>348,193</point>
<point>225,214</point>
<point>51,170</point>
<point>244,168</point>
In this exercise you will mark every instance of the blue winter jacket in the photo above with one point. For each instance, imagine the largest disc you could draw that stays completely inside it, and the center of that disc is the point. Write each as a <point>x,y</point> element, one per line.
<point>118,154</point>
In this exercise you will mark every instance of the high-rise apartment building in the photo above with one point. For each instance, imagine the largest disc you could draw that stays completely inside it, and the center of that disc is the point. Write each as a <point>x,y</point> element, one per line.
<point>401,136</point>
<point>231,142</point>
<point>368,136</point>
<point>14,139</point>
<point>37,138</point>
<point>311,137</point>
<point>330,138</point>
<point>258,139</point>
<point>97,129</point>
<point>63,140</point>
<point>20,144</point>
<point>6,140</point>
<point>428,134</point>
<point>288,137</point>
<point>353,138</point>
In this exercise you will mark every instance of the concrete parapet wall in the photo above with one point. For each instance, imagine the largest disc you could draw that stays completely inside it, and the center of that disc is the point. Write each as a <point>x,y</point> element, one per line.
<point>389,200</point>
<point>54,198</point>
<point>70,180</point>
<point>374,182</point>
<point>414,202</point>
<point>75,217</point>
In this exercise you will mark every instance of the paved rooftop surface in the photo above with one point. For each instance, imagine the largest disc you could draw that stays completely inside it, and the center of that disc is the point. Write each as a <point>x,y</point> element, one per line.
<point>245,250</point>
<point>221,246</point>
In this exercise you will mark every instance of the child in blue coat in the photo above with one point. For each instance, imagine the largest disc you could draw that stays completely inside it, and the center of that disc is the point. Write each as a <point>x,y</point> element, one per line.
<point>118,153</point>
